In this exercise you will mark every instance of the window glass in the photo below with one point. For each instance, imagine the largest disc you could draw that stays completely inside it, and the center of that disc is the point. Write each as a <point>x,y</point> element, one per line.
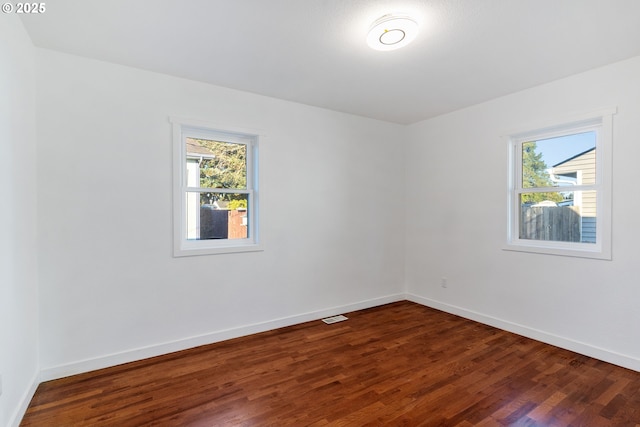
<point>559,199</point>
<point>219,164</point>
<point>566,161</point>
<point>559,161</point>
<point>217,216</point>
<point>215,191</point>
<point>564,216</point>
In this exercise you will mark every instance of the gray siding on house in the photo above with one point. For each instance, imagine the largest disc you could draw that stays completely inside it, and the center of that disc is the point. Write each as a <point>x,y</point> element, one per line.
<point>584,166</point>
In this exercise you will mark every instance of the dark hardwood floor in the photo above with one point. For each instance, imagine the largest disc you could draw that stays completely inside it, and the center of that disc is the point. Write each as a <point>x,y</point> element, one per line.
<point>401,364</point>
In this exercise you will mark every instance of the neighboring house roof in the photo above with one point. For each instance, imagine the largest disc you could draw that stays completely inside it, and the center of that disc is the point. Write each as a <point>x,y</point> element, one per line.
<point>194,149</point>
<point>573,157</point>
<point>582,168</point>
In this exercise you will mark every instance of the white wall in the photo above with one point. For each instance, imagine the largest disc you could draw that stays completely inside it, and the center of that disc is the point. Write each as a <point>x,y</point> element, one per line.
<point>331,199</point>
<point>456,216</point>
<point>334,224</point>
<point>18,263</point>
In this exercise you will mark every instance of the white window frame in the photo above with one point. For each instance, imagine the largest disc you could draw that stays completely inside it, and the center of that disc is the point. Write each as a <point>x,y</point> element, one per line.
<point>185,128</point>
<point>602,123</point>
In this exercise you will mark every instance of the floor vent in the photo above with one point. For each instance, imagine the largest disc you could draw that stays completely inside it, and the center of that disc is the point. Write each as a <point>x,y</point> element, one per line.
<point>334,319</point>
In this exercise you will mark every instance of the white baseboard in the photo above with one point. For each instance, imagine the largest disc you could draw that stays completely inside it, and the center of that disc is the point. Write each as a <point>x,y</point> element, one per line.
<point>558,341</point>
<point>87,365</point>
<point>18,413</point>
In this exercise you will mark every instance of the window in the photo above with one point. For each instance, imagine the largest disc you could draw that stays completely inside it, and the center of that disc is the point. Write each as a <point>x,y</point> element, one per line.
<point>215,190</point>
<point>560,188</point>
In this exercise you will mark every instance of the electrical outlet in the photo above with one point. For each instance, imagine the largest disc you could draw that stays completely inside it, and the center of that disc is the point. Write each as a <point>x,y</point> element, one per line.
<point>443,282</point>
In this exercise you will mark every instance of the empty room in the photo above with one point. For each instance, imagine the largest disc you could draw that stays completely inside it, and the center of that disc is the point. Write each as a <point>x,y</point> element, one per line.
<point>319,213</point>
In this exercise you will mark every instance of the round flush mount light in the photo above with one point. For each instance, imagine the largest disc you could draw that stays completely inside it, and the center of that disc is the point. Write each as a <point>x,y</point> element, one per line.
<point>391,32</point>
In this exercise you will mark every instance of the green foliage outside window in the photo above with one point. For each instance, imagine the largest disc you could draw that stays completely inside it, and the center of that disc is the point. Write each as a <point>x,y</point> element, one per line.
<point>225,166</point>
<point>237,204</point>
<point>228,167</point>
<point>535,175</point>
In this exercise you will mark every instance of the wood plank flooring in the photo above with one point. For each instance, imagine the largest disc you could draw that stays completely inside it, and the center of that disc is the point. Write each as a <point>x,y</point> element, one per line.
<point>401,364</point>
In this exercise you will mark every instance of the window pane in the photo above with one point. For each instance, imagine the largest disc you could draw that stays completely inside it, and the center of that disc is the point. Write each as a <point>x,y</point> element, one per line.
<point>215,164</point>
<point>565,216</point>
<point>217,216</point>
<point>560,161</point>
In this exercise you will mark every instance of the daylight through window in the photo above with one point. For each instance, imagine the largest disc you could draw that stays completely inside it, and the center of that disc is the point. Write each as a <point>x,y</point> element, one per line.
<point>215,191</point>
<point>559,198</point>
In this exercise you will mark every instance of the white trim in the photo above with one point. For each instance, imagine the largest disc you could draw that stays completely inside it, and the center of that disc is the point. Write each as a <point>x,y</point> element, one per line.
<point>601,122</point>
<point>586,349</point>
<point>551,123</point>
<point>18,414</point>
<point>233,246</point>
<point>217,127</point>
<point>251,138</point>
<point>114,359</point>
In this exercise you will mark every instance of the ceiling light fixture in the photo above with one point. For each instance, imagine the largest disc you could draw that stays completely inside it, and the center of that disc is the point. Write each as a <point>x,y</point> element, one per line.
<point>392,32</point>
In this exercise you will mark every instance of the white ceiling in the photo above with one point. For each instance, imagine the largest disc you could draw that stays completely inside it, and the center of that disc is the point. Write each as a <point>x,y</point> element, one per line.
<point>314,51</point>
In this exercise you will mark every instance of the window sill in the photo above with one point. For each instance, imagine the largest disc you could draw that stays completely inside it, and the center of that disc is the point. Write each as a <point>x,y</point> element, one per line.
<point>550,248</point>
<point>229,249</point>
